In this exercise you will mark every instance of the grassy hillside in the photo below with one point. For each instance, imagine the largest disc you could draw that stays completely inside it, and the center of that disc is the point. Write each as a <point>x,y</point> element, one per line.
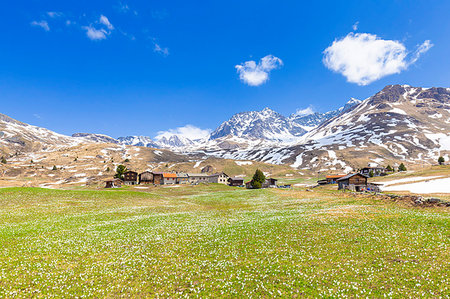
<point>216,240</point>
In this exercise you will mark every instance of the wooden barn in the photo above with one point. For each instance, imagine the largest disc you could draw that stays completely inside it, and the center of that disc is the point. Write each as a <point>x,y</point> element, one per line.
<point>130,178</point>
<point>158,178</point>
<point>146,178</point>
<point>354,182</point>
<point>235,182</point>
<point>114,183</point>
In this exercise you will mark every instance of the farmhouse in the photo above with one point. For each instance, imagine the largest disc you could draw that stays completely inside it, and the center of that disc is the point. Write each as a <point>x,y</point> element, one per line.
<point>169,178</point>
<point>146,177</point>
<point>234,182</point>
<point>182,178</point>
<point>130,178</point>
<point>195,178</point>
<point>270,183</point>
<point>377,171</point>
<point>220,178</point>
<point>114,183</point>
<point>354,182</point>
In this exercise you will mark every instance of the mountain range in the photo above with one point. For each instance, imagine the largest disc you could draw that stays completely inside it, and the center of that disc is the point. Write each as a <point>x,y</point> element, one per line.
<point>399,123</point>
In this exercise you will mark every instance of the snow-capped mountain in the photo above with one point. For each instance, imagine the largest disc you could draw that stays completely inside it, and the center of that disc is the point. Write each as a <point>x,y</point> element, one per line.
<point>399,123</point>
<point>16,136</point>
<point>138,141</point>
<point>312,120</point>
<point>266,124</point>
<point>174,141</point>
<point>96,137</point>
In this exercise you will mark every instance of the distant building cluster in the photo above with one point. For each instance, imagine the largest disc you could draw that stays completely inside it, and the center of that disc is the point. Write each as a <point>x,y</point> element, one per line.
<point>356,181</point>
<point>171,178</point>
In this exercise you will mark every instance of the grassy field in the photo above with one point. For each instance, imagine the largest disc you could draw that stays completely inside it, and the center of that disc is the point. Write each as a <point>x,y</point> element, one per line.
<point>208,241</point>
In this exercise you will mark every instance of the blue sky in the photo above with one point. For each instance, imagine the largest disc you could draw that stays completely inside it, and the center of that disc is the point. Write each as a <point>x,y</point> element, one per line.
<point>140,67</point>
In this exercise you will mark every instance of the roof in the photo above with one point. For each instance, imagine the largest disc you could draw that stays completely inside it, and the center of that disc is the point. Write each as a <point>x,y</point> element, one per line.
<point>335,176</point>
<point>169,175</point>
<point>351,175</point>
<point>198,174</point>
<point>237,179</point>
<point>130,171</point>
<point>182,175</point>
<point>219,173</point>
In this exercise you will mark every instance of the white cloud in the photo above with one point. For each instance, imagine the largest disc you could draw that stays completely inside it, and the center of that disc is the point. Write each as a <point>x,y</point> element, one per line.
<point>104,20</point>
<point>99,33</point>
<point>304,112</point>
<point>42,24</point>
<point>364,58</point>
<point>189,131</point>
<point>95,34</point>
<point>355,26</point>
<point>256,74</point>
<point>158,49</point>
<point>54,14</point>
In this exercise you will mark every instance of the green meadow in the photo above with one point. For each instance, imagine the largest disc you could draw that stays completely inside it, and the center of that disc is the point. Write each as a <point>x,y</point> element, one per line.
<point>210,241</point>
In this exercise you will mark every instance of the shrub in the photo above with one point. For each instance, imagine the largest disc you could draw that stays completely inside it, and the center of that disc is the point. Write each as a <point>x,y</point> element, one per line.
<point>126,160</point>
<point>3,160</point>
<point>441,160</point>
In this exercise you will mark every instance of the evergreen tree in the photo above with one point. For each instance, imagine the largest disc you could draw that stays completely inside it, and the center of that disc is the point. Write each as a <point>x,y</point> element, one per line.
<point>371,173</point>
<point>54,167</point>
<point>108,169</point>
<point>441,160</point>
<point>120,170</point>
<point>389,168</point>
<point>402,167</point>
<point>258,179</point>
<point>3,160</point>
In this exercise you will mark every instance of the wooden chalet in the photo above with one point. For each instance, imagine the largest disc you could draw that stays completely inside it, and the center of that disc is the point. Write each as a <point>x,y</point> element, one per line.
<point>146,177</point>
<point>130,178</point>
<point>169,178</point>
<point>234,182</point>
<point>354,182</point>
<point>158,178</point>
<point>114,183</point>
<point>219,178</point>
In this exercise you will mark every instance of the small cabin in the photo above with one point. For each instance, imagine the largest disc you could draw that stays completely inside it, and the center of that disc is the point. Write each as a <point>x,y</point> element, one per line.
<point>234,182</point>
<point>114,183</point>
<point>354,182</point>
<point>130,178</point>
<point>146,177</point>
<point>219,178</point>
